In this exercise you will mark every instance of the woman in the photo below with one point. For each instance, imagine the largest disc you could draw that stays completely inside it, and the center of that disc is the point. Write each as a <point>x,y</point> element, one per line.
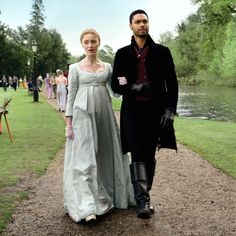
<point>61,81</point>
<point>96,175</point>
<point>54,85</point>
<point>48,85</point>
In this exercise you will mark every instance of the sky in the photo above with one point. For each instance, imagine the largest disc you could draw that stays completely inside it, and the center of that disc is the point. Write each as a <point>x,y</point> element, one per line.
<point>109,17</point>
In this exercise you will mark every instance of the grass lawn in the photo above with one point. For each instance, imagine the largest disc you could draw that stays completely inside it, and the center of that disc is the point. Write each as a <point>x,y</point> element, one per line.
<point>213,140</point>
<point>38,134</point>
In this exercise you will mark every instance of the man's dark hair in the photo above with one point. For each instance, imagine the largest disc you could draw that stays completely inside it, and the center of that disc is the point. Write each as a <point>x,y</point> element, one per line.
<point>139,11</point>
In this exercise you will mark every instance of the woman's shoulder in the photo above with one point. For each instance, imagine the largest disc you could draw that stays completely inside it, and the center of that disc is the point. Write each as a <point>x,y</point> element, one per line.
<point>107,65</point>
<point>73,66</point>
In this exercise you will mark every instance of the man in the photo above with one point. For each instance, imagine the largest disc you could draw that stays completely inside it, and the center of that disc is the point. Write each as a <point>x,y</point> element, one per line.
<point>144,74</point>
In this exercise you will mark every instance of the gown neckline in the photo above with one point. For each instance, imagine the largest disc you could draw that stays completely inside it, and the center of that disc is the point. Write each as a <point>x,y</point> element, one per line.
<point>85,71</point>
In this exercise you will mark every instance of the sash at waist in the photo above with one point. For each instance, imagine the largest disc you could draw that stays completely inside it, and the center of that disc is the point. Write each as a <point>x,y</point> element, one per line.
<point>93,85</point>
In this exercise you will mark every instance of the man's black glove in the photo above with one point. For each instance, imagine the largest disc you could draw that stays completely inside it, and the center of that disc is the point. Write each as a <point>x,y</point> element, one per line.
<point>144,87</point>
<point>167,119</point>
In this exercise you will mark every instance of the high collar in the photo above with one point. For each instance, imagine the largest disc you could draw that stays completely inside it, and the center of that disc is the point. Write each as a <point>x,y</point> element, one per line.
<point>149,41</point>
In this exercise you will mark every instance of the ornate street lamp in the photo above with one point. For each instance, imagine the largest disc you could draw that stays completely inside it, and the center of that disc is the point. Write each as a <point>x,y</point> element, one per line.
<point>35,88</point>
<point>28,63</point>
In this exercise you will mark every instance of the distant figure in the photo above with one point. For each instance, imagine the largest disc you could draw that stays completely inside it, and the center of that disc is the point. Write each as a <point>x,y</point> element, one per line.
<point>48,84</point>
<point>14,82</point>
<point>61,90</point>
<point>25,83</point>
<point>54,85</point>
<point>21,83</point>
<point>4,83</point>
<point>30,87</point>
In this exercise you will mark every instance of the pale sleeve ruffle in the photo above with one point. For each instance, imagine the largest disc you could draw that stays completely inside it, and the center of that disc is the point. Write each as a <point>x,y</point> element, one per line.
<point>73,85</point>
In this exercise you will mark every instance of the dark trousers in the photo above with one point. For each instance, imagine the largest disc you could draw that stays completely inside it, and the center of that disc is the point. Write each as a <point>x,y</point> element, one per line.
<point>139,130</point>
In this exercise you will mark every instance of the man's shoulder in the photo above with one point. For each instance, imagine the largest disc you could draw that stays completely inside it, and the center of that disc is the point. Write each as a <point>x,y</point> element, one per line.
<point>124,49</point>
<point>160,47</point>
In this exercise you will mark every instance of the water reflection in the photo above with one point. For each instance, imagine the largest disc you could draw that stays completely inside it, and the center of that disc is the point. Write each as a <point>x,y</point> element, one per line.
<point>213,103</point>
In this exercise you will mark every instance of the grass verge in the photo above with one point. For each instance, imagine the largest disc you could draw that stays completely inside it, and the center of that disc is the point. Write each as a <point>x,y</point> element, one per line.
<point>213,140</point>
<point>38,134</point>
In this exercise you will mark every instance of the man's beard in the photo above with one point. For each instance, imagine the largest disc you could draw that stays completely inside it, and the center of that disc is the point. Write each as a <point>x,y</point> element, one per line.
<point>142,36</point>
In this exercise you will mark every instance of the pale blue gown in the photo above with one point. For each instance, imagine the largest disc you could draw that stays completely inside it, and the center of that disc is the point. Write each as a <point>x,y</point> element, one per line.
<point>96,174</point>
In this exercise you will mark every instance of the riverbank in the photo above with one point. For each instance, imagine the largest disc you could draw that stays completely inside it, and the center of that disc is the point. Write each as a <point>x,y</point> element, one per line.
<point>190,196</point>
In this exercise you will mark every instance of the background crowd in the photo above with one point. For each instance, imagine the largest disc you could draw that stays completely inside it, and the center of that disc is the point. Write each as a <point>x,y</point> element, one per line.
<point>55,85</point>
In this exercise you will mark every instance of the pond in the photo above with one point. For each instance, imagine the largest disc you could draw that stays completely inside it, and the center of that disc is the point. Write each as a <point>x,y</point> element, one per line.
<point>212,103</point>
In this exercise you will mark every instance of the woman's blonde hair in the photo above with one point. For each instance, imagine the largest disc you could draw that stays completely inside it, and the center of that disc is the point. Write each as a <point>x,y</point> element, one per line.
<point>90,31</point>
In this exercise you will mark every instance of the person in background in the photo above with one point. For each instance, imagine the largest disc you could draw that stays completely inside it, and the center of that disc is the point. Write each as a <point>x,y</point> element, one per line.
<point>21,83</point>
<point>61,81</point>
<point>48,85</point>
<point>144,74</point>
<point>14,82</point>
<point>54,85</point>
<point>4,83</point>
<point>25,86</point>
<point>30,87</point>
<point>39,82</point>
<point>96,174</point>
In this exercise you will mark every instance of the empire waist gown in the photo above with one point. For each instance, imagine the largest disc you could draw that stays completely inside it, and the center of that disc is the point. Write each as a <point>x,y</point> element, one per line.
<point>96,174</point>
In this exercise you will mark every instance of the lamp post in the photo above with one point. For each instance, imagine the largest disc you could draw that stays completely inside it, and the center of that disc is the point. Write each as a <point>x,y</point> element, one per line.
<point>28,64</point>
<point>35,88</point>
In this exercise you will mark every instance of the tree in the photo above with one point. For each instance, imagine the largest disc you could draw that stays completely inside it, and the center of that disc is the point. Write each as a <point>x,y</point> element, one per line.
<point>51,52</point>
<point>228,70</point>
<point>13,56</point>
<point>166,38</point>
<point>37,20</point>
<point>106,54</point>
<point>15,46</point>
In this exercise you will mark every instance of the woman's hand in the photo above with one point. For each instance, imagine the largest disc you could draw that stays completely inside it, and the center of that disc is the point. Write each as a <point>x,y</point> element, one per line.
<point>69,132</point>
<point>122,80</point>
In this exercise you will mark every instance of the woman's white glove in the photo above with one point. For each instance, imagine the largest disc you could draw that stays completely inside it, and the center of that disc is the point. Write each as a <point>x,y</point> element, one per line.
<point>69,132</point>
<point>122,80</point>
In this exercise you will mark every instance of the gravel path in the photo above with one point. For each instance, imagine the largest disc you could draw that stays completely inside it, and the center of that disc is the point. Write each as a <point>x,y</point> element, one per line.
<point>190,197</point>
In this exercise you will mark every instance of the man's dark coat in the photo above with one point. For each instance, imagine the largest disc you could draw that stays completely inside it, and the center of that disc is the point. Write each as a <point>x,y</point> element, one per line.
<point>161,72</point>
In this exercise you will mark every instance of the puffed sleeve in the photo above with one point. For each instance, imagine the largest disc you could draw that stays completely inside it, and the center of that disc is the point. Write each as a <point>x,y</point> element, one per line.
<point>73,85</point>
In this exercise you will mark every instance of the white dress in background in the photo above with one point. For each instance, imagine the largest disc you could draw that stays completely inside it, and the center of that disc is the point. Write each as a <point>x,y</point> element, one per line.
<point>96,173</point>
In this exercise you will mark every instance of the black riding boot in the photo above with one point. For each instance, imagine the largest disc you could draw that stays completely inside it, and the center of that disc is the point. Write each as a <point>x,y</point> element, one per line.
<point>140,184</point>
<point>151,166</point>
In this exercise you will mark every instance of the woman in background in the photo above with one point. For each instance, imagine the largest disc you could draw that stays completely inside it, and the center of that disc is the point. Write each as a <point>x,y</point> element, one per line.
<point>61,81</point>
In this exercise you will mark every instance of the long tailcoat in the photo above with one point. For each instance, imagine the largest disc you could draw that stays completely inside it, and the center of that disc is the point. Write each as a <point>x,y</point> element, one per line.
<point>161,72</point>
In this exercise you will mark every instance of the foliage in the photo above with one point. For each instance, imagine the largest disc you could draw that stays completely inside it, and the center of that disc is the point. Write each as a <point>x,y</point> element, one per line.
<point>13,57</point>
<point>116,104</point>
<point>205,43</point>
<point>228,70</point>
<point>106,54</point>
<point>15,46</point>
<point>37,20</point>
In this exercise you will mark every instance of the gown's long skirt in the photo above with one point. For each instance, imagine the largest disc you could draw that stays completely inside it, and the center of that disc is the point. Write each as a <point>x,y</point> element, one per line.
<point>96,173</point>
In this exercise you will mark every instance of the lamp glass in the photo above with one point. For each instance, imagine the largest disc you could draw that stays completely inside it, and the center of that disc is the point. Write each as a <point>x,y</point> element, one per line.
<point>34,47</point>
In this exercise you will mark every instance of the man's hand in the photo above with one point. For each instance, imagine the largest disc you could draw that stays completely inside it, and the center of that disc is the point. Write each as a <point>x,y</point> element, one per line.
<point>144,87</point>
<point>167,119</point>
<point>69,132</point>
